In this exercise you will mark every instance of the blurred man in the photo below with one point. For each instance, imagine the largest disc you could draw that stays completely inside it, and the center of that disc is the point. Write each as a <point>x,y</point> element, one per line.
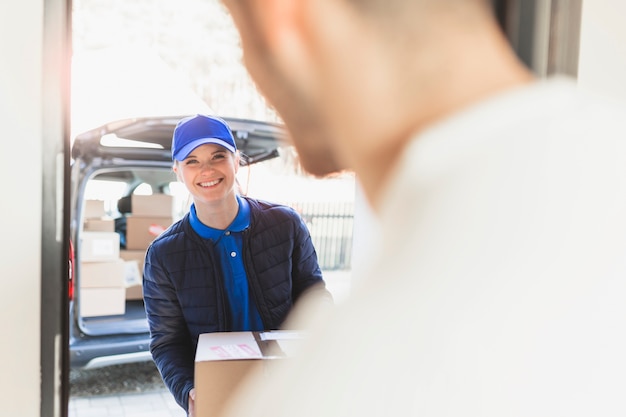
<point>500,280</point>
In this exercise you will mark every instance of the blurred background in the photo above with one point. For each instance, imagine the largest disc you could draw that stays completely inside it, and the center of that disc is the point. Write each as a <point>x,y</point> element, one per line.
<point>158,57</point>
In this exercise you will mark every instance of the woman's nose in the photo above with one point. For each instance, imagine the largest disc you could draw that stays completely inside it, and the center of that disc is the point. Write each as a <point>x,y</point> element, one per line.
<point>206,166</point>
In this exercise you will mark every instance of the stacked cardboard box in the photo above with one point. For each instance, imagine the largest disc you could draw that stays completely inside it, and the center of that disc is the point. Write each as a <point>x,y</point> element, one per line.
<point>102,289</point>
<point>150,216</point>
<point>101,269</point>
<point>96,219</point>
<point>133,260</point>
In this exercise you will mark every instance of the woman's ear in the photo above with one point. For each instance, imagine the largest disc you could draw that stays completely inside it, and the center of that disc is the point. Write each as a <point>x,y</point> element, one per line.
<point>237,160</point>
<point>175,169</point>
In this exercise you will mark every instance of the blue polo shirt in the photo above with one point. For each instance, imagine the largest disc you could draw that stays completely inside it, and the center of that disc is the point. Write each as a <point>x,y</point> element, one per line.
<point>228,244</point>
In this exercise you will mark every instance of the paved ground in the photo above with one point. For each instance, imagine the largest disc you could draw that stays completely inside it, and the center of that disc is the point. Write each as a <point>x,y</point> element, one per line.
<point>148,404</point>
<point>131,390</point>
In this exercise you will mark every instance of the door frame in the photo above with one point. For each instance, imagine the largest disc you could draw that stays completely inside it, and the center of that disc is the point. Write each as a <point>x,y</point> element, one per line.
<point>545,33</point>
<point>55,267</point>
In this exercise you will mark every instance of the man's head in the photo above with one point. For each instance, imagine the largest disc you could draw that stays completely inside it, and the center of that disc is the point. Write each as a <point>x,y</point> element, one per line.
<point>355,79</point>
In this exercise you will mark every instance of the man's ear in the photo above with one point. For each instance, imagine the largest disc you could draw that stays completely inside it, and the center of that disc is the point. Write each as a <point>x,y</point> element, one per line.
<point>267,19</point>
<point>283,20</point>
<point>271,26</point>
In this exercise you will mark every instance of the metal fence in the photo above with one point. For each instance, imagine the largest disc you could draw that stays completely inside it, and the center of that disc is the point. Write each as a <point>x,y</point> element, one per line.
<point>331,225</point>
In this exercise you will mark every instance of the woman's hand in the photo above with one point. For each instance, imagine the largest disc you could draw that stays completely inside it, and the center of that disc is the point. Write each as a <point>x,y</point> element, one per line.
<point>192,403</point>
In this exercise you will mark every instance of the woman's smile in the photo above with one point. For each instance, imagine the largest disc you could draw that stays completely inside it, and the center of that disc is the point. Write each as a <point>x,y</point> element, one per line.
<point>208,184</point>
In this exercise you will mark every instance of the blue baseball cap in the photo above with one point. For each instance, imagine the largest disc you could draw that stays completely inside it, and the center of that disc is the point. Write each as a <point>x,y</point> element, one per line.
<point>194,131</point>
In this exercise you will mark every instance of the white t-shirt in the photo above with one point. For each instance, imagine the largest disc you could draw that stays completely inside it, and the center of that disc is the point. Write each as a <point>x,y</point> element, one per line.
<point>501,286</point>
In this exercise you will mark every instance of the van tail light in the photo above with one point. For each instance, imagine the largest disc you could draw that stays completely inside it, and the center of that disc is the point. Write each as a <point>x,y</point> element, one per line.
<point>70,283</point>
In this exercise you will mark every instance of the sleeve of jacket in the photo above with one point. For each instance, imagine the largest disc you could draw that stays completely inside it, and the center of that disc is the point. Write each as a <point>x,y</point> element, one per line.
<point>306,274</point>
<point>170,343</point>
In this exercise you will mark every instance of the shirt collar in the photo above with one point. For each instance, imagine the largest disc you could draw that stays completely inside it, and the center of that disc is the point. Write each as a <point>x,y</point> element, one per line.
<point>239,224</point>
<point>242,220</point>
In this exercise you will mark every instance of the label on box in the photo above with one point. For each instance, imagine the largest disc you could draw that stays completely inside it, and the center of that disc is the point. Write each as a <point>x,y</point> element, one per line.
<point>156,229</point>
<point>100,246</point>
<point>132,275</point>
<point>241,351</point>
<point>103,247</point>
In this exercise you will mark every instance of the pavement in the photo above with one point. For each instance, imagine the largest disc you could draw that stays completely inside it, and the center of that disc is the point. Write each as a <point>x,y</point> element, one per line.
<point>160,403</point>
<point>148,404</point>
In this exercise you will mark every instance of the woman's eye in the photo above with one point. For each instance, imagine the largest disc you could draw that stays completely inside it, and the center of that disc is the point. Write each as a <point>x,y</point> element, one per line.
<point>219,156</point>
<point>191,162</point>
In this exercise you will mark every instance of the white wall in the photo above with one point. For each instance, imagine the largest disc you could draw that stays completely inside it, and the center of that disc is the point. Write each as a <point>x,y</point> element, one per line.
<point>602,64</point>
<point>20,253</point>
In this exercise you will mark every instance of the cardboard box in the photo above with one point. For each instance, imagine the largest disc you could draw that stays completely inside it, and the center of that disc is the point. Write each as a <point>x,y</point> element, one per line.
<point>134,273</point>
<point>102,301</point>
<point>134,292</point>
<point>102,274</point>
<point>133,280</point>
<point>155,205</point>
<point>224,360</point>
<point>134,255</point>
<point>94,209</point>
<point>99,225</point>
<point>99,246</point>
<point>142,230</point>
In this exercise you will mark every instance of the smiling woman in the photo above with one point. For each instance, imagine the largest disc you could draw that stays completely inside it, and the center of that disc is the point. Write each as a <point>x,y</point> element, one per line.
<point>110,185</point>
<point>206,162</point>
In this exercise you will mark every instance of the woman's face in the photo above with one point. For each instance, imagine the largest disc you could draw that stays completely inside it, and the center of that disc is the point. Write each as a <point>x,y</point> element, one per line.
<point>209,173</point>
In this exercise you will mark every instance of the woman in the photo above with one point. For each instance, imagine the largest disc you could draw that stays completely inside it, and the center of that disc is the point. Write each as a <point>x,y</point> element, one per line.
<point>233,263</point>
